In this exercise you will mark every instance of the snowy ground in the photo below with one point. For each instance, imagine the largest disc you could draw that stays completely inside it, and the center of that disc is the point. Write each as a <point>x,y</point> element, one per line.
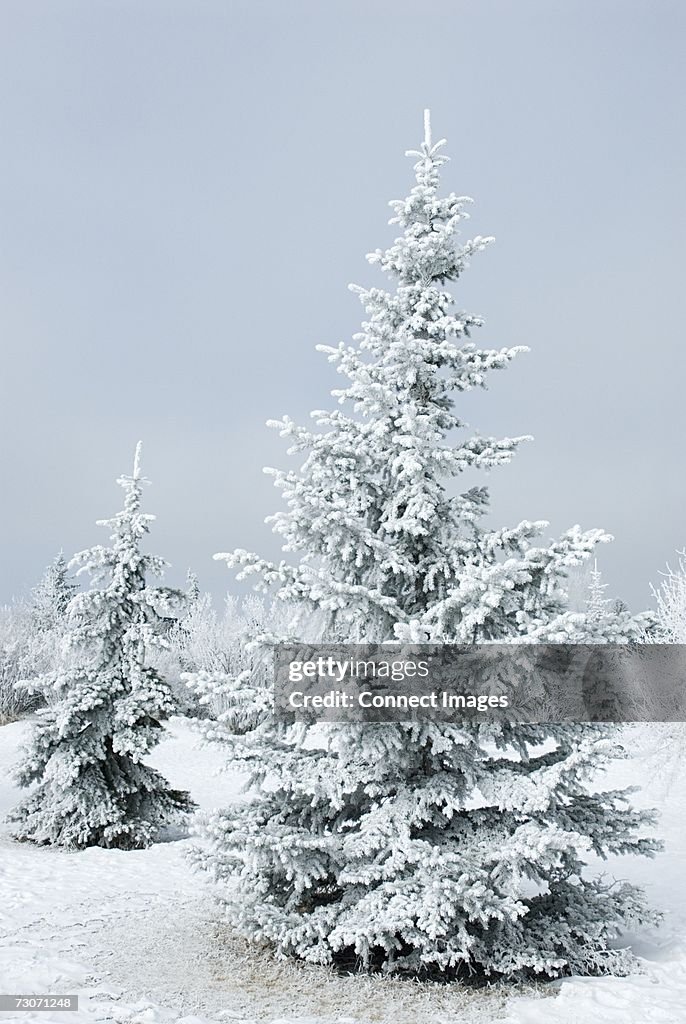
<point>136,934</point>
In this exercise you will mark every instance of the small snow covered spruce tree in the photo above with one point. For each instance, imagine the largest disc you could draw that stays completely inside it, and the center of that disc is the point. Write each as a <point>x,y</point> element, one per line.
<point>426,847</point>
<point>86,751</point>
<point>52,594</point>
<point>597,603</point>
<point>192,588</point>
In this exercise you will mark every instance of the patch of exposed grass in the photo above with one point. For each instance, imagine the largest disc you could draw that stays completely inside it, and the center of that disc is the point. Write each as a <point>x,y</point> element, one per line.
<point>265,987</point>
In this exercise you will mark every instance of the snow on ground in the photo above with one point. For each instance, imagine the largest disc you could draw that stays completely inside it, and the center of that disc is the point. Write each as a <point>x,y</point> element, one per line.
<point>137,935</point>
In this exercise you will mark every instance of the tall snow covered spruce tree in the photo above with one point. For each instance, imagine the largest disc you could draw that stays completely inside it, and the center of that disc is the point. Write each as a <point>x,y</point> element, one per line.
<point>426,847</point>
<point>105,704</point>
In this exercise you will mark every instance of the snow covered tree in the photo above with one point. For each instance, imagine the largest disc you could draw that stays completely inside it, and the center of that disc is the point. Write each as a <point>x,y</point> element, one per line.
<point>420,846</point>
<point>192,587</point>
<point>48,620</point>
<point>50,597</point>
<point>86,752</point>
<point>31,635</point>
<point>670,599</point>
<point>662,745</point>
<point>597,602</point>
<point>17,650</point>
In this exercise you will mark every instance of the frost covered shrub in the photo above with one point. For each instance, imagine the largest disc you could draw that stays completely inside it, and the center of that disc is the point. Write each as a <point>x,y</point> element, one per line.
<point>662,745</point>
<point>214,648</point>
<point>210,640</point>
<point>15,700</point>
<point>31,635</point>
<point>15,657</point>
<point>165,660</point>
<point>213,642</point>
<point>670,600</point>
<point>206,641</point>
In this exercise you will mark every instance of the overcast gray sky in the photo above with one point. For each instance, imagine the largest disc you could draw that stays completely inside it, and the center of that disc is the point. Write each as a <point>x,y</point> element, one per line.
<point>186,188</point>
